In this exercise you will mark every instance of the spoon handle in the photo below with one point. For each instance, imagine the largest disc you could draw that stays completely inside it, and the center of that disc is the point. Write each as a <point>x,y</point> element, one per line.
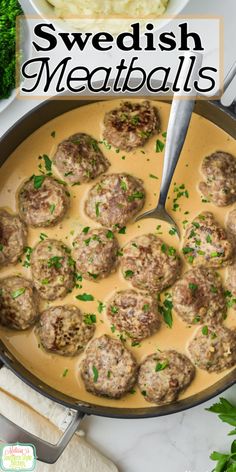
<point>180,116</point>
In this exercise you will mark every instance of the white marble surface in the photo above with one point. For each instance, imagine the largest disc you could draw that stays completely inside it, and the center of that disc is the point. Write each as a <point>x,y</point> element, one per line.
<point>181,442</point>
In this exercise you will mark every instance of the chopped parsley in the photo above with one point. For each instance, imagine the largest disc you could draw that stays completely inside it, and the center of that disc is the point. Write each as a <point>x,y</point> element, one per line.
<point>193,287</point>
<point>52,208</point>
<point>110,234</point>
<point>90,318</point>
<point>17,293</point>
<point>85,297</point>
<point>166,310</point>
<point>152,176</point>
<point>159,146</point>
<point>55,261</point>
<point>128,274</point>
<point>95,374</point>
<point>136,196</point>
<point>101,307</point>
<point>205,330</point>
<point>28,252</point>
<point>38,181</point>
<point>97,208</point>
<point>161,366</point>
<point>65,373</point>
<point>122,230</point>
<point>47,163</point>
<point>53,134</point>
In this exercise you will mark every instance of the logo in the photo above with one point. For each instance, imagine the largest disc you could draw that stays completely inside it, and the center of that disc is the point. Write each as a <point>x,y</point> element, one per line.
<point>21,457</point>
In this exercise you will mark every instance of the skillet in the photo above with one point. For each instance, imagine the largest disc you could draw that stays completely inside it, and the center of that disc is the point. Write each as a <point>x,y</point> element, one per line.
<point>214,111</point>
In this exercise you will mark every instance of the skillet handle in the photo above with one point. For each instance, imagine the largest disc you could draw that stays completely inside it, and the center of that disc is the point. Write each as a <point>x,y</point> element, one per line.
<point>46,452</point>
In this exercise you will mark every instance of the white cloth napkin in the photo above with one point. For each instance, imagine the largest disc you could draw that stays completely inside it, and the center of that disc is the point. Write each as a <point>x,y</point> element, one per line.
<point>45,419</point>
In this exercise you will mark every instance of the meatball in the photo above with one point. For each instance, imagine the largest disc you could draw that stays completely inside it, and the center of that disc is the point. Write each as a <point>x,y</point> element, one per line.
<point>79,159</point>
<point>130,125</point>
<point>95,253</point>
<point>219,169</point>
<point>52,269</point>
<point>206,243</point>
<point>199,297</point>
<point>62,330</point>
<point>231,282</point>
<point>135,313</point>
<point>231,227</point>
<point>13,238</point>
<point>18,303</point>
<point>231,223</point>
<point>163,375</point>
<point>115,200</point>
<point>214,349</point>
<point>43,201</point>
<point>108,368</point>
<point>150,264</point>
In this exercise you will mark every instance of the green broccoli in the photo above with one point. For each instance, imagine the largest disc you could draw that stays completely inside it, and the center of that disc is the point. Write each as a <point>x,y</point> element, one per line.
<point>9,10</point>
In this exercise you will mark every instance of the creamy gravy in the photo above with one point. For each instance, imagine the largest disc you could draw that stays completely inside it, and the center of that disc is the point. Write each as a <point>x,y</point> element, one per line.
<point>203,138</point>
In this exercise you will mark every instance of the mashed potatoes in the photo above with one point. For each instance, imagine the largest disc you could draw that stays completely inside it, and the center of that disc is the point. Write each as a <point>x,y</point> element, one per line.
<point>108,8</point>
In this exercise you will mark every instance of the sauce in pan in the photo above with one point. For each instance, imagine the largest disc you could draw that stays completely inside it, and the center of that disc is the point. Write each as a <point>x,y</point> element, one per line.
<point>203,138</point>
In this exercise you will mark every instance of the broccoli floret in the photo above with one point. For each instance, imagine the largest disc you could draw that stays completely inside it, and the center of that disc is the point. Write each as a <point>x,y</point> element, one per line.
<point>9,10</point>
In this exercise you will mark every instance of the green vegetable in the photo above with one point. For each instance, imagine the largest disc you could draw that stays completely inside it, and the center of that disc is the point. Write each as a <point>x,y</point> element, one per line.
<point>128,274</point>
<point>65,372</point>
<point>95,374</point>
<point>9,10</point>
<point>90,319</point>
<point>226,412</point>
<point>85,297</point>
<point>159,145</point>
<point>110,234</point>
<point>101,307</point>
<point>55,262</point>
<point>47,162</point>
<point>205,330</point>
<point>166,310</point>
<point>193,287</point>
<point>38,181</point>
<point>17,293</point>
<point>161,366</point>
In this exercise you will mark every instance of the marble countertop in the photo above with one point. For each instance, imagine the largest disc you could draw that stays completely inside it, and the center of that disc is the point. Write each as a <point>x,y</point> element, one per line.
<point>180,442</point>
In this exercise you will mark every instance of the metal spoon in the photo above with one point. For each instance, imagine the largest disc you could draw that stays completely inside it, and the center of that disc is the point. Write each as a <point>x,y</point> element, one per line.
<point>180,116</point>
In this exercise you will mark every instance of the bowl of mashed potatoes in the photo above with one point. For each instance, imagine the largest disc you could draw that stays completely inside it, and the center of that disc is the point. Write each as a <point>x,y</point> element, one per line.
<point>112,15</point>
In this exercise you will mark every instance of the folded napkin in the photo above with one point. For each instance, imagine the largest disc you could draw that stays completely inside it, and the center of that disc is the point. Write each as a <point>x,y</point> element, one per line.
<point>45,418</point>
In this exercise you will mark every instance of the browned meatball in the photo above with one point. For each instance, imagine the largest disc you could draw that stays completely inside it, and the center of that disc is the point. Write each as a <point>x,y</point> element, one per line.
<point>163,375</point>
<point>18,303</point>
<point>214,348</point>
<point>231,223</point>
<point>130,125</point>
<point>150,264</point>
<point>134,313</point>
<point>13,238</point>
<point>219,169</point>
<point>231,282</point>
<point>205,243</point>
<point>64,331</point>
<point>108,368</point>
<point>52,269</point>
<point>95,253</point>
<point>115,200</point>
<point>79,159</point>
<point>199,297</point>
<point>43,201</point>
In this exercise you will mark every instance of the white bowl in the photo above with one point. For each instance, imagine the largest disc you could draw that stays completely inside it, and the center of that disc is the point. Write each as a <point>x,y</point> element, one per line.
<point>45,10</point>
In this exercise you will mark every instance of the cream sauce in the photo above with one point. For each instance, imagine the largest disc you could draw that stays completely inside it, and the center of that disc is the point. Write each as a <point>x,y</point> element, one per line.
<point>203,138</point>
